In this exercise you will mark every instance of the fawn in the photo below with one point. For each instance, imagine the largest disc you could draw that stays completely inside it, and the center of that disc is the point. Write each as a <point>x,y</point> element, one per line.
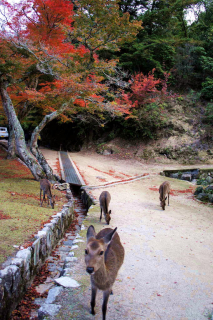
<point>45,186</point>
<point>104,200</point>
<point>104,256</point>
<point>163,190</point>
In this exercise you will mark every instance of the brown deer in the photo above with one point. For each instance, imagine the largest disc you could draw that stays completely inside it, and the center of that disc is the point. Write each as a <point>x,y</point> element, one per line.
<point>104,256</point>
<point>104,200</point>
<point>164,189</point>
<point>45,186</point>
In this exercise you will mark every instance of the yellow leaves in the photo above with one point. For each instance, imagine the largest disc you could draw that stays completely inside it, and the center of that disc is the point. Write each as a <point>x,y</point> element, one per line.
<point>100,24</point>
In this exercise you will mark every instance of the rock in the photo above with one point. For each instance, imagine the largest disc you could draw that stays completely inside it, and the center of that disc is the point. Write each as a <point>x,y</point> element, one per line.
<point>186,176</point>
<point>71,254</point>
<point>48,310</point>
<point>210,196</point>
<point>198,190</point>
<point>195,174</point>
<point>174,175</point>
<point>67,272</point>
<point>70,259</point>
<point>209,189</point>
<point>78,240</point>
<point>53,293</point>
<point>42,288</point>
<point>67,282</point>
<point>203,196</point>
<point>74,247</point>
<point>39,301</point>
<point>203,175</point>
<point>209,179</point>
<point>78,236</point>
<point>68,243</point>
<point>65,248</point>
<point>107,152</point>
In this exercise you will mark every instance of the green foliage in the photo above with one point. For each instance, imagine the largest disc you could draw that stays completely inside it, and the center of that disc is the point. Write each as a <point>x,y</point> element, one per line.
<point>207,89</point>
<point>209,113</point>
<point>202,181</point>
<point>188,69</point>
<point>144,123</point>
<point>146,55</point>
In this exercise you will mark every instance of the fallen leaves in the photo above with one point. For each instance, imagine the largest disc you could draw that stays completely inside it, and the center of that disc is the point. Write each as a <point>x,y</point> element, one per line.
<point>4,216</point>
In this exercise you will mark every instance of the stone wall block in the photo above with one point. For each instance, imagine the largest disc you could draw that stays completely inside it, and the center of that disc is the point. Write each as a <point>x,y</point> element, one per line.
<point>36,249</point>
<point>26,256</point>
<point>50,240</point>
<point>43,247</point>
<point>11,277</point>
<point>1,291</point>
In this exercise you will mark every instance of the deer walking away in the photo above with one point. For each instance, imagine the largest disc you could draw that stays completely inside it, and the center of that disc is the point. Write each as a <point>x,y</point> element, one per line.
<point>104,256</point>
<point>104,200</point>
<point>164,190</point>
<point>45,186</point>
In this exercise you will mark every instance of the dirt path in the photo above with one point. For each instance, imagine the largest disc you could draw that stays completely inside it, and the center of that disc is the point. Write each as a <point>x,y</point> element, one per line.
<point>167,272</point>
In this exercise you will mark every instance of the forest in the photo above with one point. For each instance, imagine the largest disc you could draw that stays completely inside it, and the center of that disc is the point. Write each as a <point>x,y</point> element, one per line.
<point>72,71</point>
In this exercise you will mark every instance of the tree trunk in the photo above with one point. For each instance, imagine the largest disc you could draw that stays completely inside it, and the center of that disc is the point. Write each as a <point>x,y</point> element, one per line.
<point>21,147</point>
<point>34,142</point>
<point>11,151</point>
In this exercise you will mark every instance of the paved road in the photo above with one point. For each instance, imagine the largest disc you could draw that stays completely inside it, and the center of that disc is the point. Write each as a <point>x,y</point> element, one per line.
<point>168,269</point>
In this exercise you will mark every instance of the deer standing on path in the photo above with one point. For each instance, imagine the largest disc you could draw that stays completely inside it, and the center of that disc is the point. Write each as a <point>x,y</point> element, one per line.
<point>104,200</point>
<point>45,186</point>
<point>164,189</point>
<point>104,256</point>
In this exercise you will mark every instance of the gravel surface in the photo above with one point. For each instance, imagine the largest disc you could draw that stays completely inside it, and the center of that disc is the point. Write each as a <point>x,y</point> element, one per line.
<point>167,271</point>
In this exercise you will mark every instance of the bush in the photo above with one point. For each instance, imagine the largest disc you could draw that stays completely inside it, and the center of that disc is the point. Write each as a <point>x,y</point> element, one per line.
<point>209,112</point>
<point>207,90</point>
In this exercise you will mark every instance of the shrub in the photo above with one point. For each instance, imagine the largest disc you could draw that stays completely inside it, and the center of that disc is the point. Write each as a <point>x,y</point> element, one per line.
<point>207,90</point>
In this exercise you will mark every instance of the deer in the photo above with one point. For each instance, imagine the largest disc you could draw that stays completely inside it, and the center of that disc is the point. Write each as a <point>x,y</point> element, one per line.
<point>45,186</point>
<point>104,200</point>
<point>104,255</point>
<point>164,190</point>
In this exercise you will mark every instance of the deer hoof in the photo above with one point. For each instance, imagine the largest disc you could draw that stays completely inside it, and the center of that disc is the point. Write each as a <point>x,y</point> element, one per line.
<point>92,312</point>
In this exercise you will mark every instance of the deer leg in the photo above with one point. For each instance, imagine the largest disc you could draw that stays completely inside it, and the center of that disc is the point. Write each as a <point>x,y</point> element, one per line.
<point>93,296</point>
<point>101,214</point>
<point>168,199</point>
<point>41,201</point>
<point>43,197</point>
<point>105,301</point>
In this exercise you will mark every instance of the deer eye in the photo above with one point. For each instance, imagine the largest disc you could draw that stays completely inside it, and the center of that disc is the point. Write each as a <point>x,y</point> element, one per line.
<point>101,253</point>
<point>86,251</point>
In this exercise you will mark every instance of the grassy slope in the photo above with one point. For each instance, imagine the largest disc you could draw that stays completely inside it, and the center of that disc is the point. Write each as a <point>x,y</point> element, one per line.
<point>20,212</point>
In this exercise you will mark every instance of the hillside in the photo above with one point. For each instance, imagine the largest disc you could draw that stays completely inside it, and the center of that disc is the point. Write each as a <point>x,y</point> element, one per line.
<point>185,138</point>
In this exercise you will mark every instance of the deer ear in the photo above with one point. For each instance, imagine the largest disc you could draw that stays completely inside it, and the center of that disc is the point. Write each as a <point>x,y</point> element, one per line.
<point>109,236</point>
<point>90,232</point>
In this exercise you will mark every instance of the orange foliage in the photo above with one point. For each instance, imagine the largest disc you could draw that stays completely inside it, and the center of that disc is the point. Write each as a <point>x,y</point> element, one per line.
<point>145,90</point>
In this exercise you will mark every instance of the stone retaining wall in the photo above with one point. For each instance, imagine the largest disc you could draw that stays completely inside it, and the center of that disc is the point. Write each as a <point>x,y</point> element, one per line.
<point>190,174</point>
<point>19,271</point>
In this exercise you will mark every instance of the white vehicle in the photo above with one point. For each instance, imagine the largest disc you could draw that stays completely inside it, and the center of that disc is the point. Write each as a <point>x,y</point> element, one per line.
<point>3,133</point>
